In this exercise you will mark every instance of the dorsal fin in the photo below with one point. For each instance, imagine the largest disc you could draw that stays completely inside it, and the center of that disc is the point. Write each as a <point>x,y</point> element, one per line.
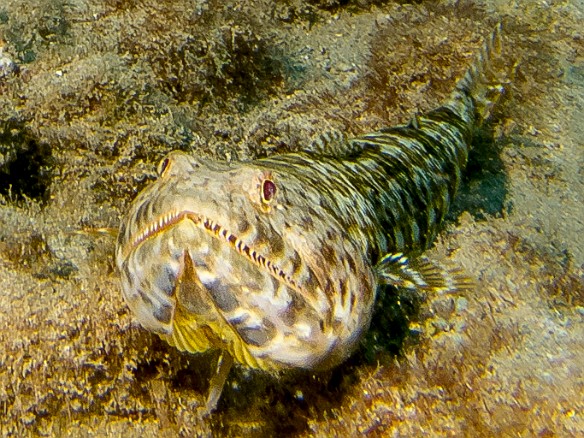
<point>414,122</point>
<point>333,144</point>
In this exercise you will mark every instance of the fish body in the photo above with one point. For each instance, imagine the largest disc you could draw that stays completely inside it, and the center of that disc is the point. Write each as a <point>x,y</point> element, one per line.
<point>276,262</point>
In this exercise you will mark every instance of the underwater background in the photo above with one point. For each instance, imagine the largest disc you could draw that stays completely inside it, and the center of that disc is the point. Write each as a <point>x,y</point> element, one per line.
<point>94,93</point>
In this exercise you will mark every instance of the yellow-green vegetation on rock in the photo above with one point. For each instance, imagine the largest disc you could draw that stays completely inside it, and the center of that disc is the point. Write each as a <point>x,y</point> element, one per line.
<point>93,94</point>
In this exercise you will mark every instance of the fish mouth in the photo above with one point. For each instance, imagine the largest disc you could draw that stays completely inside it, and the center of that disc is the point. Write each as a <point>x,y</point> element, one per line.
<point>217,231</point>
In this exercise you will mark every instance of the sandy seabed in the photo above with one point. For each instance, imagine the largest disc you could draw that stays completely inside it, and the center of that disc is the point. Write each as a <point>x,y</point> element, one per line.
<point>94,93</point>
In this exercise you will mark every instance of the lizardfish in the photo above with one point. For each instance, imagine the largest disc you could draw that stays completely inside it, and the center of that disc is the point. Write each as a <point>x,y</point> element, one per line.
<point>276,262</point>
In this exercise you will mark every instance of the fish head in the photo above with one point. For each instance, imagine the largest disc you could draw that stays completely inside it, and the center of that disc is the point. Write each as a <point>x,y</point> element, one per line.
<point>246,247</point>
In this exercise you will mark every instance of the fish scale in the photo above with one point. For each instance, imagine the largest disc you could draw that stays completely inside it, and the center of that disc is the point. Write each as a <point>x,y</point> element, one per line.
<point>276,262</point>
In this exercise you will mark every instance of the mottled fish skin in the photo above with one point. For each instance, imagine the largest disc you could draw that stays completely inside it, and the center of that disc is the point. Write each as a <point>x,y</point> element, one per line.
<point>276,262</point>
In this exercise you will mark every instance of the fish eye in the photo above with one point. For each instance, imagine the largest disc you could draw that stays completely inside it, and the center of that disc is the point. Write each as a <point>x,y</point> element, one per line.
<point>163,166</point>
<point>268,190</point>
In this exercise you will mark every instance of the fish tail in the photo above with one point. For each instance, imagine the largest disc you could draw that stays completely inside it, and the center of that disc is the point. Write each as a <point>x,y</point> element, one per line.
<point>479,90</point>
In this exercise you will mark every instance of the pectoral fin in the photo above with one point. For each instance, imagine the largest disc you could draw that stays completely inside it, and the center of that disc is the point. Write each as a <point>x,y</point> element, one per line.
<point>420,274</point>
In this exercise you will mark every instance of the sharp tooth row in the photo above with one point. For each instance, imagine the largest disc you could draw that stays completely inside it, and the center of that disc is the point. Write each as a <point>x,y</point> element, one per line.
<point>212,226</point>
<point>165,220</point>
<point>156,226</point>
<point>242,248</point>
<point>174,217</point>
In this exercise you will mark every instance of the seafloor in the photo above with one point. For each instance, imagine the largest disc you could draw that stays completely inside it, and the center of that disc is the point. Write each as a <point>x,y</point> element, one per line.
<point>93,93</point>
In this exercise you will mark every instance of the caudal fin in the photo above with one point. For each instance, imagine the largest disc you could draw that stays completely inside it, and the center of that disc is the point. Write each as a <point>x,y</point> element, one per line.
<point>479,90</point>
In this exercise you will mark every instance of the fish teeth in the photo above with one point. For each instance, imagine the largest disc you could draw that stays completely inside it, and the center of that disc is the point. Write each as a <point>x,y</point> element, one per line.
<point>157,225</point>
